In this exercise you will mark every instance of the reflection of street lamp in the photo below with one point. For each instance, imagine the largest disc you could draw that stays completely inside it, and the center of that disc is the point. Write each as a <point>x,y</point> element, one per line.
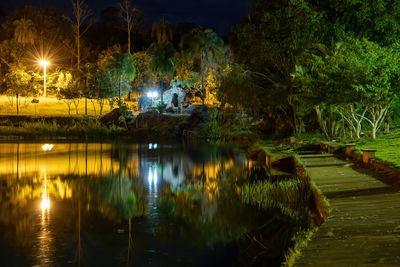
<point>44,64</point>
<point>152,95</point>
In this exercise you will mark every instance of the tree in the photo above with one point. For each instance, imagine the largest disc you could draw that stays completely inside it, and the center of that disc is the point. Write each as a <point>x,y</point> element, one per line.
<point>361,79</point>
<point>65,90</point>
<point>81,26</point>
<point>162,31</point>
<point>268,45</point>
<point>19,82</point>
<point>144,78</point>
<point>24,31</point>
<point>128,13</point>
<point>205,45</point>
<point>162,62</point>
<point>123,69</point>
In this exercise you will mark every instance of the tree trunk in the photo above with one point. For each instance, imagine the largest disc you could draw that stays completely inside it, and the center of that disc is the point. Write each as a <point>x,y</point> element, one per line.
<point>387,124</point>
<point>120,81</point>
<point>203,74</point>
<point>330,123</point>
<point>320,121</point>
<point>162,91</point>
<point>94,107</point>
<point>373,131</point>
<point>85,105</point>
<point>17,104</point>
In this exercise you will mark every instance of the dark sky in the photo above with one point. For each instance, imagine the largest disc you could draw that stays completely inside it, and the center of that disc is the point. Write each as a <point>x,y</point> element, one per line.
<point>217,14</point>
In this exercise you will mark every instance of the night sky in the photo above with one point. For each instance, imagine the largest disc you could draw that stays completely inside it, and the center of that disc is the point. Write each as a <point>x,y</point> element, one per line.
<point>217,14</point>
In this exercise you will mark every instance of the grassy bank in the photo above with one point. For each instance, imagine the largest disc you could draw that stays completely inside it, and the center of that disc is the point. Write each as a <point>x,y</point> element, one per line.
<point>84,128</point>
<point>387,145</point>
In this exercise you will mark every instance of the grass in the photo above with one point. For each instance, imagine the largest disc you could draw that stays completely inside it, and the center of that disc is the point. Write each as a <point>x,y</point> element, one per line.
<point>49,106</point>
<point>84,128</point>
<point>387,146</point>
<point>290,196</point>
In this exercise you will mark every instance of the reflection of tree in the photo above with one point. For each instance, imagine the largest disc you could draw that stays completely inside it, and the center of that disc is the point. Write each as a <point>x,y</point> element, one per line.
<point>112,196</point>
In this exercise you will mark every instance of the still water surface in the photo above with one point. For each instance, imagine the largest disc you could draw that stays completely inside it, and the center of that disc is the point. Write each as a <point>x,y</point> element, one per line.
<point>130,205</point>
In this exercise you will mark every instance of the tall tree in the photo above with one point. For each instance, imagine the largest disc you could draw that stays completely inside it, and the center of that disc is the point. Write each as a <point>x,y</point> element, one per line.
<point>24,31</point>
<point>162,31</point>
<point>122,68</point>
<point>82,14</point>
<point>205,45</point>
<point>162,61</point>
<point>128,13</point>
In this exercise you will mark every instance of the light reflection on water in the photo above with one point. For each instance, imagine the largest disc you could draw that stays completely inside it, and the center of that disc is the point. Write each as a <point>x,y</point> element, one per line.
<point>109,203</point>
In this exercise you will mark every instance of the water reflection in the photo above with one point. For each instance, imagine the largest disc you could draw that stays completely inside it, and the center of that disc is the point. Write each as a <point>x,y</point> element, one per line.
<point>122,204</point>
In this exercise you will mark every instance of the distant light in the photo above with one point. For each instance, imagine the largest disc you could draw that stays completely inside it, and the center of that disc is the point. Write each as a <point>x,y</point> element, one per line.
<point>47,147</point>
<point>150,146</point>
<point>155,146</point>
<point>152,94</point>
<point>44,63</point>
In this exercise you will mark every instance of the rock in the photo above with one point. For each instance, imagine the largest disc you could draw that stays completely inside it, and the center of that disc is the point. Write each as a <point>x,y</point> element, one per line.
<point>148,119</point>
<point>174,97</point>
<point>173,110</point>
<point>144,103</point>
<point>195,108</point>
<point>198,118</point>
<point>113,118</point>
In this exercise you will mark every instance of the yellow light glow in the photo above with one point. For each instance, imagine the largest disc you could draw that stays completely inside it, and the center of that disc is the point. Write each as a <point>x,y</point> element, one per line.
<point>47,147</point>
<point>45,204</point>
<point>44,63</point>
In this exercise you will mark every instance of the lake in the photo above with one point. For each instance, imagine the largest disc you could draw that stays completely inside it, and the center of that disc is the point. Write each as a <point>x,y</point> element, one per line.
<point>92,204</point>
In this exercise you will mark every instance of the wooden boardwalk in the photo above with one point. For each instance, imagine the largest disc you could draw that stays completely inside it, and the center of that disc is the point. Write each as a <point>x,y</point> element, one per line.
<point>364,226</point>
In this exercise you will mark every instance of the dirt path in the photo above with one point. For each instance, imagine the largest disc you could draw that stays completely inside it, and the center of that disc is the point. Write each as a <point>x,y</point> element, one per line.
<point>364,226</point>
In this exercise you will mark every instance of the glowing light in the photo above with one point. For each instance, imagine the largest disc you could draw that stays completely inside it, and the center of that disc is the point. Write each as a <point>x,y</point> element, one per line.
<point>152,94</point>
<point>47,147</point>
<point>155,146</point>
<point>44,63</point>
<point>150,146</point>
<point>150,178</point>
<point>45,204</point>
<point>155,176</point>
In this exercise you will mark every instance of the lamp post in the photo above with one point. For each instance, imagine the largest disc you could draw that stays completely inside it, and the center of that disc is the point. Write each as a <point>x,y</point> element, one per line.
<point>44,64</point>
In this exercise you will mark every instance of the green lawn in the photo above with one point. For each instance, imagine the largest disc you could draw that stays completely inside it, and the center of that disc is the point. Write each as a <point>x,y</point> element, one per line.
<point>388,146</point>
<point>49,106</point>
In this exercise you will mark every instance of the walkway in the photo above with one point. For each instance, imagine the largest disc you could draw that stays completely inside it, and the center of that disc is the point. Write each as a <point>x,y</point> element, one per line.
<point>364,226</point>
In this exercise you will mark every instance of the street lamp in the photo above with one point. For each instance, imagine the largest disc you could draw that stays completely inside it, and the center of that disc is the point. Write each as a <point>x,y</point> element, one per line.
<point>152,95</point>
<point>44,64</point>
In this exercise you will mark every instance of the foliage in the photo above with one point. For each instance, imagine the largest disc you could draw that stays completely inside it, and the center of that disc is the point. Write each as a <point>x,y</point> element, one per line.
<point>144,78</point>
<point>162,62</point>
<point>88,129</point>
<point>123,70</point>
<point>161,106</point>
<point>162,31</point>
<point>24,31</point>
<point>19,82</point>
<point>205,45</point>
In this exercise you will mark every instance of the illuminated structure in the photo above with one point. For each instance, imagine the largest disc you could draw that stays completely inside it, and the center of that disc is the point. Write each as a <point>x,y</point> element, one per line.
<point>44,64</point>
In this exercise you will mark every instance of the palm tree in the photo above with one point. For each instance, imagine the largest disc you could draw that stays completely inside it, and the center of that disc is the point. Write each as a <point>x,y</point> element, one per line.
<point>122,67</point>
<point>24,31</point>
<point>162,61</point>
<point>162,31</point>
<point>205,45</point>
